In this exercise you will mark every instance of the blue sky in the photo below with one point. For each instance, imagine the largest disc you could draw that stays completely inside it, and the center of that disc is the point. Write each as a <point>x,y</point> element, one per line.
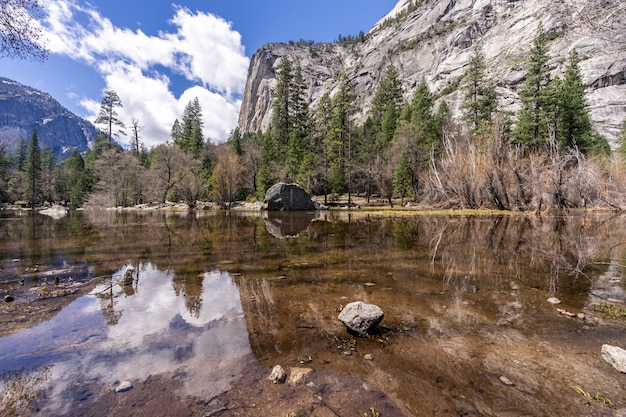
<point>158,55</point>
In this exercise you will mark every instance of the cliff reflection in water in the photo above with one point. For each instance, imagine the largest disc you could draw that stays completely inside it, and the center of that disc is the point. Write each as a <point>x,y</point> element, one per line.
<point>465,299</point>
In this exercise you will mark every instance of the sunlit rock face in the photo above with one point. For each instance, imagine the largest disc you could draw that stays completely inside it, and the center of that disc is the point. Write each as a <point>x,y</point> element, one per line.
<point>435,41</point>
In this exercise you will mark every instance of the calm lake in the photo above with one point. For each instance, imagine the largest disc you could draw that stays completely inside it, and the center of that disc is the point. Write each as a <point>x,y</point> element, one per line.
<point>484,315</point>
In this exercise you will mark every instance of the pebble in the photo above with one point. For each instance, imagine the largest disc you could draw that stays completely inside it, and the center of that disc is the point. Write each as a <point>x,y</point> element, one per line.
<point>8,298</point>
<point>506,381</point>
<point>124,386</point>
<point>368,357</point>
<point>278,375</point>
<point>554,300</point>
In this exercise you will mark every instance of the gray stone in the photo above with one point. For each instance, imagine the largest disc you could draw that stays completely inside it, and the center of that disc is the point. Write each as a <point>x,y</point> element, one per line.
<point>361,318</point>
<point>124,386</point>
<point>127,276</point>
<point>288,197</point>
<point>615,356</point>
<point>278,375</point>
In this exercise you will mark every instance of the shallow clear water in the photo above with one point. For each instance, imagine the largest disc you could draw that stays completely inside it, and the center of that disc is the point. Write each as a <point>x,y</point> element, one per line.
<point>465,301</point>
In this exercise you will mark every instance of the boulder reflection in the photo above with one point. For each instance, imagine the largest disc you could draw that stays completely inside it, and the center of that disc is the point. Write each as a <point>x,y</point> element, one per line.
<point>283,225</point>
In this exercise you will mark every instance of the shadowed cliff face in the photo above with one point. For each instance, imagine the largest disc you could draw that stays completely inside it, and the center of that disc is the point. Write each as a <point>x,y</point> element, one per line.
<point>24,109</point>
<point>435,41</point>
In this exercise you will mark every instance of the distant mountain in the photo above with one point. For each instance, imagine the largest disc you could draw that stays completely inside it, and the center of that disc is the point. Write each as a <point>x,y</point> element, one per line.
<point>435,39</point>
<point>24,109</point>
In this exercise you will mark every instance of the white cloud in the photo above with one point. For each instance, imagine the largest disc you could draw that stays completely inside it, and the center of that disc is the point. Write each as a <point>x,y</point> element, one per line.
<point>203,49</point>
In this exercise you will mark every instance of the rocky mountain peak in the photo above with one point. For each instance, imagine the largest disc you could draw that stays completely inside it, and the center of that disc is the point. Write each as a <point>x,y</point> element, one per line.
<point>24,109</point>
<point>434,40</point>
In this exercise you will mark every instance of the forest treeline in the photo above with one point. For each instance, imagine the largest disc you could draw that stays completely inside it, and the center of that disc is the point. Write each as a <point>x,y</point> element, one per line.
<point>546,155</point>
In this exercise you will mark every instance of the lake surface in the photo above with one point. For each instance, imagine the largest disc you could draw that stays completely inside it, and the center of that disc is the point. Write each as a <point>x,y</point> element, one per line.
<point>468,327</point>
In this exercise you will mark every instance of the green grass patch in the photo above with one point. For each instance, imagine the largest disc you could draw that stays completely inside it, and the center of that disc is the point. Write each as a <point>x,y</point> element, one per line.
<point>610,310</point>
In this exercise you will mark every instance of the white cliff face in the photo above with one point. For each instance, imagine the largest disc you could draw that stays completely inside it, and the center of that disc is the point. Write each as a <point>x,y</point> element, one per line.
<point>435,42</point>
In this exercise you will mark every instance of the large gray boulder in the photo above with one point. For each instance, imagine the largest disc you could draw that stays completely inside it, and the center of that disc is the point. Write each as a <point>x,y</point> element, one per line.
<point>288,197</point>
<point>361,318</point>
<point>615,356</point>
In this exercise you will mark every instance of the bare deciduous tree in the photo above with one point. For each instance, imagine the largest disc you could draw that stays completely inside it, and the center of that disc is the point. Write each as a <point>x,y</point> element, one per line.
<point>20,34</point>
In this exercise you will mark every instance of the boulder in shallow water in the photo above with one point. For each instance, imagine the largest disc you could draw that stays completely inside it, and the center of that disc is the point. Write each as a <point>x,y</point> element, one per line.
<point>361,318</point>
<point>288,197</point>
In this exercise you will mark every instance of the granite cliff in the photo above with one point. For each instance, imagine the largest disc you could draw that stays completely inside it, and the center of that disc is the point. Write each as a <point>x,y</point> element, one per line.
<point>434,39</point>
<point>24,109</point>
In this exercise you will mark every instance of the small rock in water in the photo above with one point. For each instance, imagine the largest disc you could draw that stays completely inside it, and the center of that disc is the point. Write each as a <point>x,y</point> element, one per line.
<point>554,300</point>
<point>124,386</point>
<point>368,357</point>
<point>615,356</point>
<point>361,318</point>
<point>8,298</point>
<point>278,375</point>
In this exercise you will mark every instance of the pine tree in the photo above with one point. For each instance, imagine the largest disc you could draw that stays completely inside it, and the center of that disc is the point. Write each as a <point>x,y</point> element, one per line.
<point>108,117</point>
<point>386,104</point>
<point>188,135</point>
<point>532,122</point>
<point>321,134</point>
<point>574,121</point>
<point>176,133</point>
<point>32,186</point>
<point>480,94</point>
<point>300,126</point>
<point>20,155</point>
<point>281,107</point>
<point>341,132</point>
<point>403,178</point>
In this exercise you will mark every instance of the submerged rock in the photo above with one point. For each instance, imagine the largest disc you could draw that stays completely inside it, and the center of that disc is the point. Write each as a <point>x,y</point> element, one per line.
<point>288,197</point>
<point>361,318</point>
<point>124,386</point>
<point>127,276</point>
<point>278,375</point>
<point>615,356</point>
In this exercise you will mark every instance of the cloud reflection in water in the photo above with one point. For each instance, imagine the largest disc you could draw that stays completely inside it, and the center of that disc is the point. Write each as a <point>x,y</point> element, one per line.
<point>155,334</point>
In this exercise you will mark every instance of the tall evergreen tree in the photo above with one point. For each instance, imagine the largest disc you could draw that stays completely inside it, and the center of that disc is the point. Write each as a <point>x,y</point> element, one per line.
<point>32,185</point>
<point>47,177</point>
<point>341,134</point>
<point>532,122</point>
<point>386,105</point>
<point>321,133</point>
<point>188,134</point>
<point>480,100</point>
<point>108,117</point>
<point>20,155</point>
<point>282,98</point>
<point>298,145</point>
<point>574,121</point>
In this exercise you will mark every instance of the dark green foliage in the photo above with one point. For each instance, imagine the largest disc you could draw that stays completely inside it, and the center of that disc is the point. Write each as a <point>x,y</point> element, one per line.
<point>32,169</point>
<point>480,94</point>
<point>188,133</point>
<point>574,122</point>
<point>385,106</point>
<point>19,160</point>
<point>403,178</point>
<point>532,122</point>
